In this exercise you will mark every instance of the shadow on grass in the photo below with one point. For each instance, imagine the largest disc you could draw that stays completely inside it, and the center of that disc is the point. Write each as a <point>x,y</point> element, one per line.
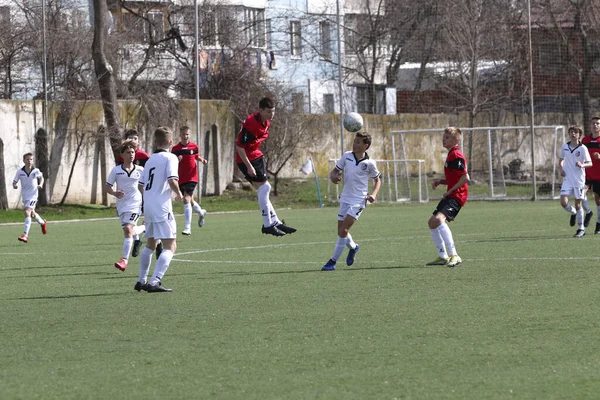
<point>71,296</point>
<point>51,267</point>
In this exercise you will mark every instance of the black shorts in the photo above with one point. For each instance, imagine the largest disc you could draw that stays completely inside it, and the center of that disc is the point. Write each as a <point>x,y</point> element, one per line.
<point>449,207</point>
<point>594,185</point>
<point>259,167</point>
<point>188,188</point>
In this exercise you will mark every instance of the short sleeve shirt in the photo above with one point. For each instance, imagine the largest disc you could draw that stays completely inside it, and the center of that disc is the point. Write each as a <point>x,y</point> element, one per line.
<point>356,177</point>
<point>593,145</point>
<point>254,131</point>
<point>127,182</point>
<point>160,168</point>
<point>188,167</point>
<point>574,175</point>
<point>29,183</point>
<point>454,168</point>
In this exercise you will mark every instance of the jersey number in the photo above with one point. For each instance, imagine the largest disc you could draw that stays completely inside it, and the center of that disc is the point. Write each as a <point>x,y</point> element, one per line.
<point>150,178</point>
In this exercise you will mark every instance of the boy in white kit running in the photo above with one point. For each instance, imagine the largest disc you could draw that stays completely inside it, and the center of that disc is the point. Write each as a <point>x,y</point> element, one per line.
<point>31,180</point>
<point>159,180</point>
<point>129,198</point>
<point>357,169</point>
<point>574,158</point>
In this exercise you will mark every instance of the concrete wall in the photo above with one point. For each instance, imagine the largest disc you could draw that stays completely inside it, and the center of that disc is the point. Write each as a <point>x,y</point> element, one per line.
<point>21,119</point>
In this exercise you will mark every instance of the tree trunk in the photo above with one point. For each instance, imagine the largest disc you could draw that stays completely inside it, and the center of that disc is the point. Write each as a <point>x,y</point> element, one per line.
<point>61,125</point>
<point>3,194</point>
<point>104,74</point>
<point>42,162</point>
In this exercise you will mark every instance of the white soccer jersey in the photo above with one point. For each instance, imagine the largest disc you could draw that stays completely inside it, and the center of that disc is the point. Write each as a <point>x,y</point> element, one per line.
<point>160,167</point>
<point>356,177</point>
<point>29,183</point>
<point>574,175</point>
<point>127,182</point>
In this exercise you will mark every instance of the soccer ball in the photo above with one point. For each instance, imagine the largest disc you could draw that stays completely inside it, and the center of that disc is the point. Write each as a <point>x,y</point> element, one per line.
<point>353,122</point>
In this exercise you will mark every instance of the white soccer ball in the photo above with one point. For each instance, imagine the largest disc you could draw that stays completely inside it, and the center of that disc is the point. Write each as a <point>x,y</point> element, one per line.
<point>353,122</point>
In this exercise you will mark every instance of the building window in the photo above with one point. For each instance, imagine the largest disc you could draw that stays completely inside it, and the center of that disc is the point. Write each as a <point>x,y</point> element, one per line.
<point>364,100</point>
<point>298,103</point>
<point>255,26</point>
<point>5,16</point>
<point>328,103</point>
<point>295,39</point>
<point>155,29</point>
<point>325,30</point>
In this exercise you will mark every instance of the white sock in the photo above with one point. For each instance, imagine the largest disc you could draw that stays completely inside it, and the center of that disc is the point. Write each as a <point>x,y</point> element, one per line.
<point>340,244</point>
<point>27,226</point>
<point>138,230</point>
<point>439,242</point>
<point>162,264</point>
<point>570,209</point>
<point>586,205</point>
<point>145,261</point>
<point>39,219</point>
<point>448,239</point>
<point>580,216</point>
<point>349,242</point>
<point>187,215</point>
<point>263,203</point>
<point>598,214</point>
<point>127,243</point>
<point>196,207</point>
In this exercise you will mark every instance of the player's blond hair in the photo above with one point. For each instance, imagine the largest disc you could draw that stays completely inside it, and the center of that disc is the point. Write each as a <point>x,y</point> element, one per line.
<point>184,128</point>
<point>163,137</point>
<point>128,144</point>
<point>576,128</point>
<point>454,131</point>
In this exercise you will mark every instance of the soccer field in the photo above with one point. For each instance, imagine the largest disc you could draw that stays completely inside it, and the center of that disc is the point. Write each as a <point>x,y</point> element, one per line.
<point>253,317</point>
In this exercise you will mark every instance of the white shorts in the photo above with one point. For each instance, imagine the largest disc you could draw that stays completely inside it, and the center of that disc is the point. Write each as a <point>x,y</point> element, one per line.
<point>161,230</point>
<point>350,209</point>
<point>129,218</point>
<point>568,190</point>
<point>30,203</point>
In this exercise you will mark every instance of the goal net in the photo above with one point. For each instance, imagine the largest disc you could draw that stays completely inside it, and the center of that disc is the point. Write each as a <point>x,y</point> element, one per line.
<point>401,181</point>
<point>502,160</point>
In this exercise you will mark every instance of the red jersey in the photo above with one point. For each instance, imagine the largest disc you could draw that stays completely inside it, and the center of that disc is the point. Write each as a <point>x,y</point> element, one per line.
<point>454,168</point>
<point>188,168</point>
<point>140,157</point>
<point>254,131</point>
<point>593,145</point>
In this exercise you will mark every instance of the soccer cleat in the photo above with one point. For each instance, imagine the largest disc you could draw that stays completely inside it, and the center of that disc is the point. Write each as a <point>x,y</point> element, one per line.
<point>139,286</point>
<point>579,234</point>
<point>352,255</point>
<point>284,228</point>
<point>186,232</point>
<point>157,288</point>
<point>159,249</point>
<point>329,266</point>
<point>454,261</point>
<point>136,248</point>
<point>588,217</point>
<point>272,230</point>
<point>23,238</point>
<point>201,218</point>
<point>572,220</point>
<point>121,265</point>
<point>439,261</point>
<point>597,231</point>
<point>44,227</point>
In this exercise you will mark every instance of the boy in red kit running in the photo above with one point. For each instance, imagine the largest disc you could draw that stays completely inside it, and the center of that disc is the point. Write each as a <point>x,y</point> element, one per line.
<point>251,163</point>
<point>592,174</point>
<point>457,178</point>
<point>187,153</point>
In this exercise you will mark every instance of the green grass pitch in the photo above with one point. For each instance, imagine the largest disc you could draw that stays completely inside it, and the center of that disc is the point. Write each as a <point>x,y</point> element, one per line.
<point>253,317</point>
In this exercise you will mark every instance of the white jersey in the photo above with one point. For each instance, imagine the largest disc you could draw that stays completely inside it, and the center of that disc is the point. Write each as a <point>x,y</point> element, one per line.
<point>356,177</point>
<point>574,176</point>
<point>127,182</point>
<point>29,183</point>
<point>160,167</point>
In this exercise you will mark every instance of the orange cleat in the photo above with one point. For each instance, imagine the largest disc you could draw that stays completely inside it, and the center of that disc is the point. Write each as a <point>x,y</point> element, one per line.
<point>121,265</point>
<point>44,228</point>
<point>23,238</point>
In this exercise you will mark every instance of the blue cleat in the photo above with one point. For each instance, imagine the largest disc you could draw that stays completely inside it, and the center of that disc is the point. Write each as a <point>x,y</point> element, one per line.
<point>329,266</point>
<point>352,255</point>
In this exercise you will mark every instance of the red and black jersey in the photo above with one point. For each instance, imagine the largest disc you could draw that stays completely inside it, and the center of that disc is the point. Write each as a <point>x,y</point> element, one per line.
<point>140,157</point>
<point>454,168</point>
<point>254,131</point>
<point>188,168</point>
<point>593,145</point>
